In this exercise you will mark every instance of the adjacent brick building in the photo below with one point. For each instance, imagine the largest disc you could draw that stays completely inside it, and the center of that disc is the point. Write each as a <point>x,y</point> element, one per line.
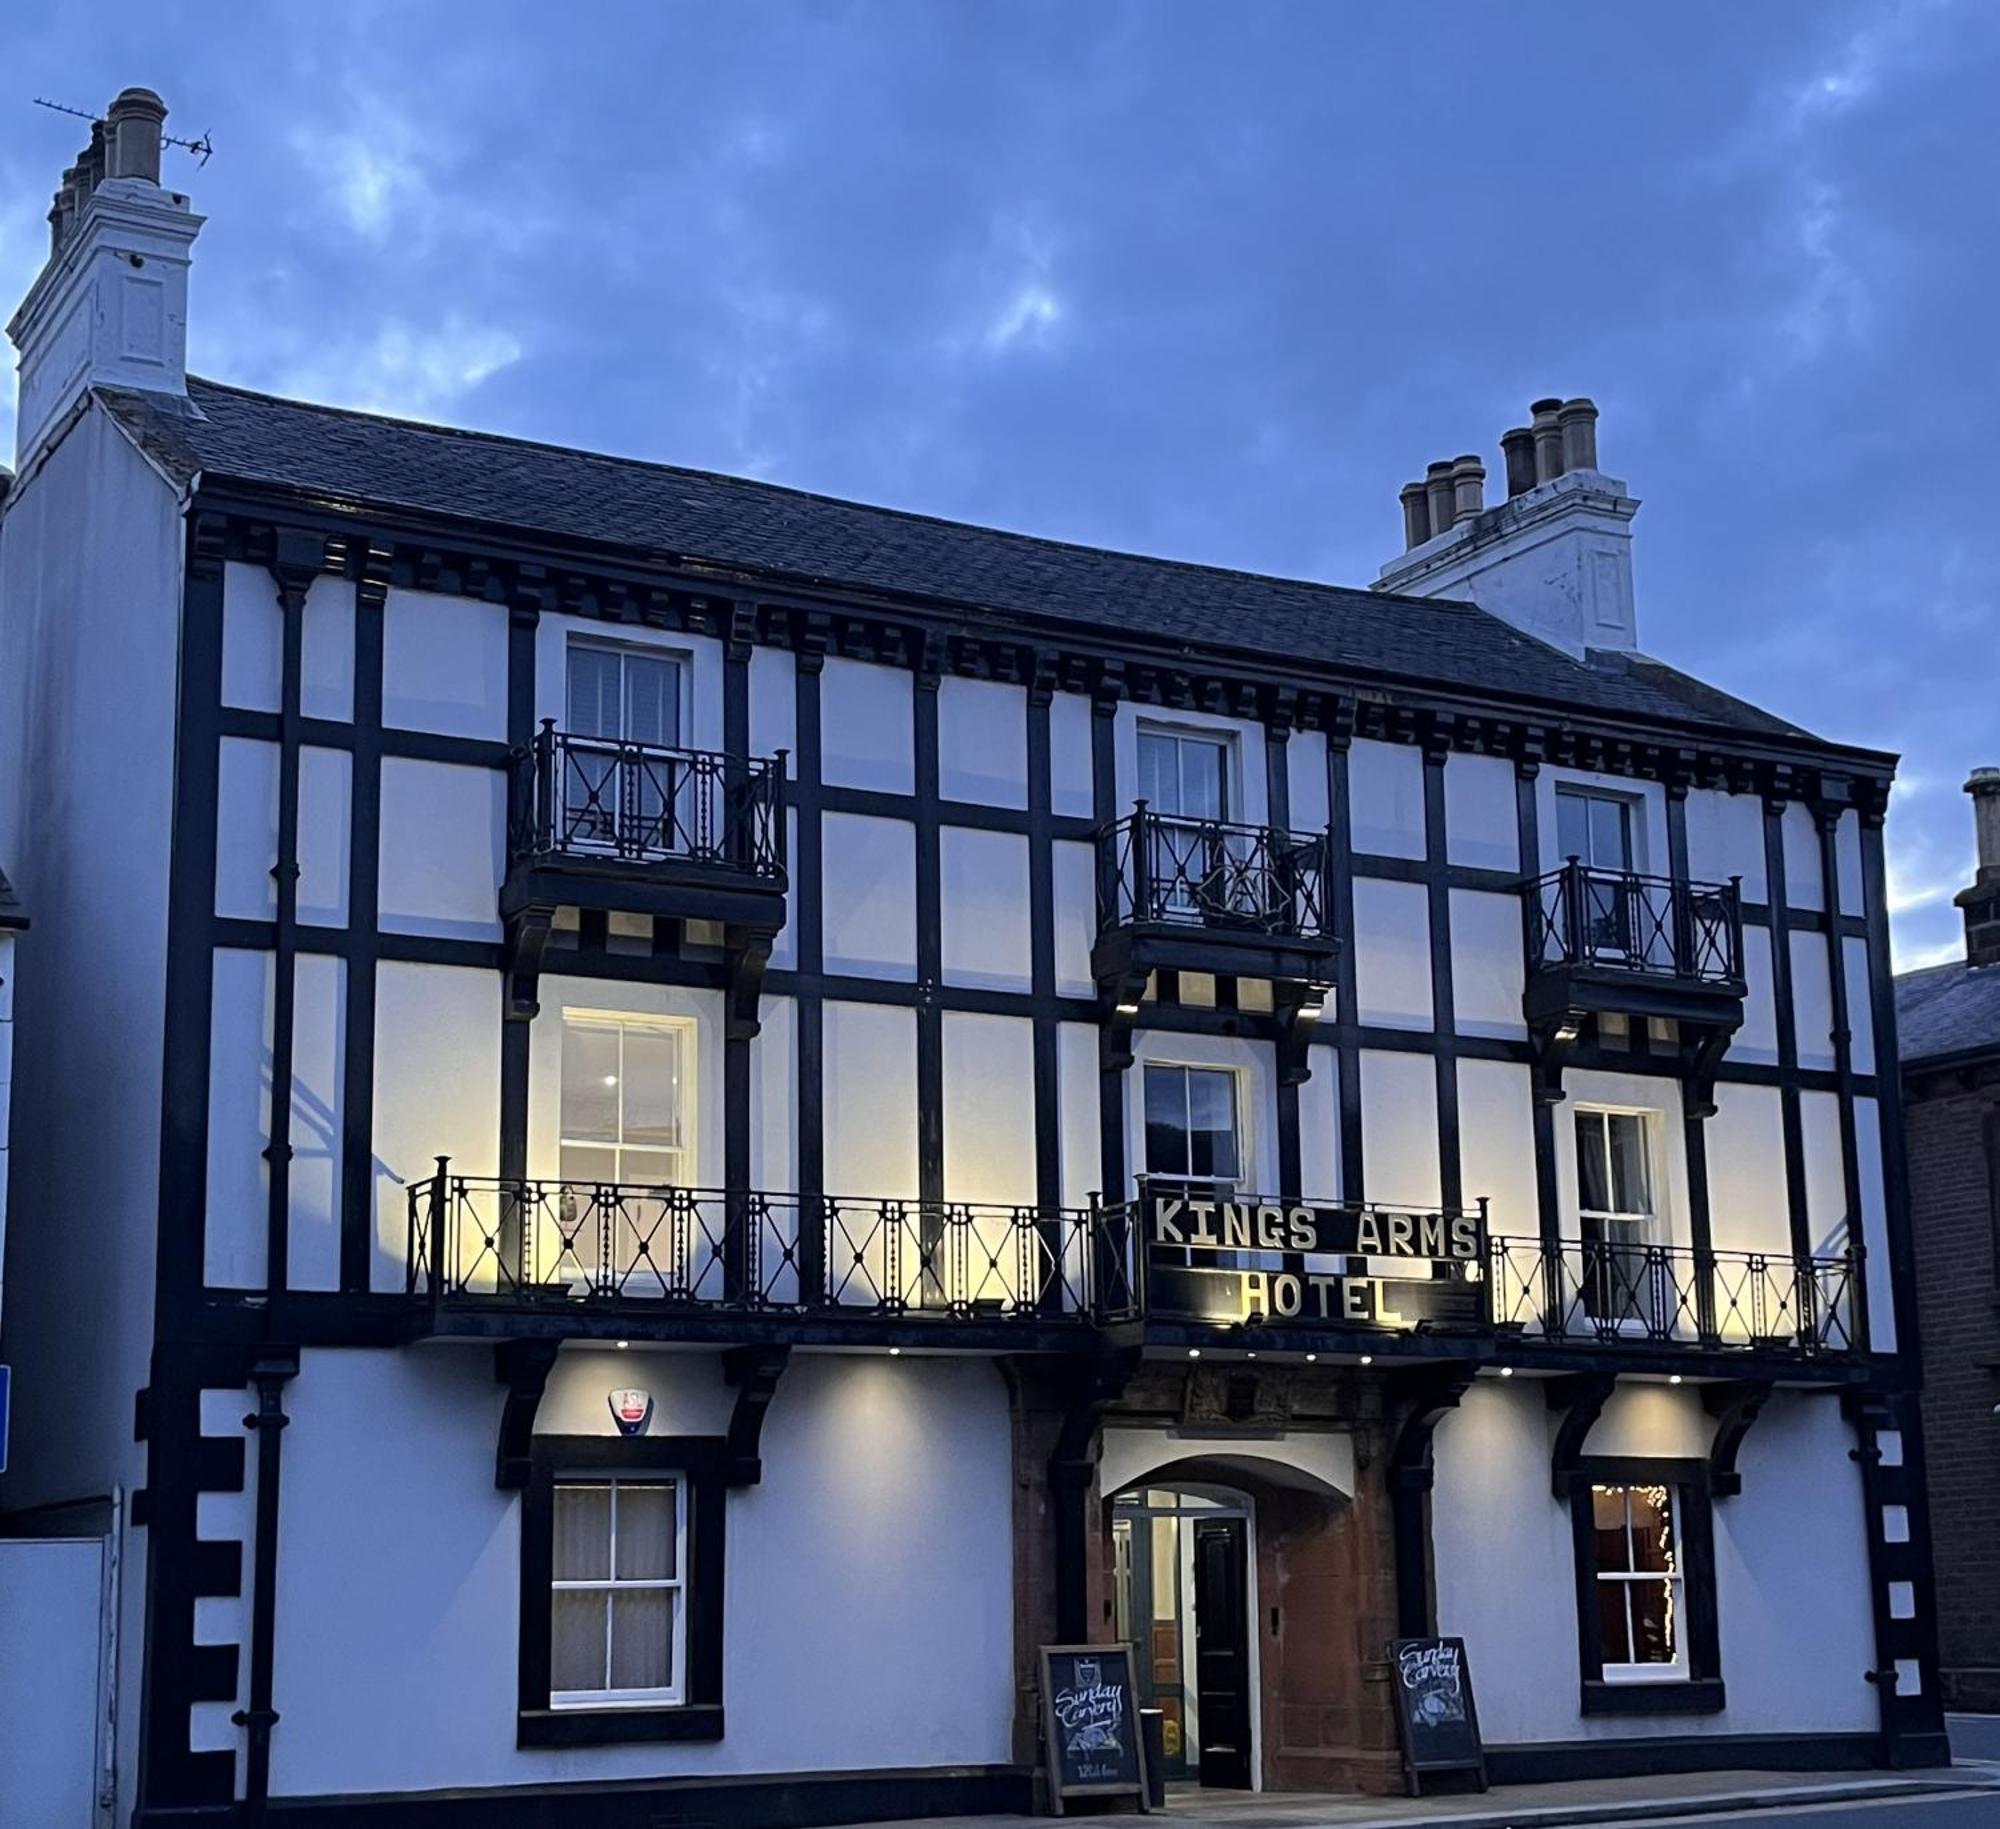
<point>1949,1020</point>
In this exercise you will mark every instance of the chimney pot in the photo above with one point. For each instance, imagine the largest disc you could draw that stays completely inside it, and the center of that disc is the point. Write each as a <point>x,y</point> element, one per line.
<point>1578,420</point>
<point>92,162</point>
<point>1548,440</point>
<point>1980,901</point>
<point>1416,515</point>
<point>1518,448</point>
<point>1437,486</point>
<point>133,124</point>
<point>1468,486</point>
<point>1983,784</point>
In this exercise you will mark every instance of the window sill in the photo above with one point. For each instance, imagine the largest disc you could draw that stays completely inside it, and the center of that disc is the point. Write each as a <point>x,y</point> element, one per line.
<point>617,1726</point>
<point>1675,1696</point>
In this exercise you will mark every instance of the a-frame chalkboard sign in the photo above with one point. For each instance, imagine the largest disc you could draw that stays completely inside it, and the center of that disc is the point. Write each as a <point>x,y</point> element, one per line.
<point>1090,1724</point>
<point>1435,1717</point>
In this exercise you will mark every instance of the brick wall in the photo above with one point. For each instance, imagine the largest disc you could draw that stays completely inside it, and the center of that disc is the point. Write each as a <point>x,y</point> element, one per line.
<point>1958,1295</point>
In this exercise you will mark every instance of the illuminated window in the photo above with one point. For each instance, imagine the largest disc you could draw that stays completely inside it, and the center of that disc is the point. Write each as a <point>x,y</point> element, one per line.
<point>1616,1215</point>
<point>627,1100</point>
<point>617,1620</point>
<point>1193,1127</point>
<point>1641,1582</point>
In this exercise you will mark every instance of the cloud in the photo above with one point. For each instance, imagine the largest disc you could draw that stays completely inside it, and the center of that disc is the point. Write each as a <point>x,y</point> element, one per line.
<point>1032,313</point>
<point>400,368</point>
<point>375,166</point>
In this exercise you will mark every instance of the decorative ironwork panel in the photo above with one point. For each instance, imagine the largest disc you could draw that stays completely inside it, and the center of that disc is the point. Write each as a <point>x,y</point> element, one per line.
<point>1202,873</point>
<point>1646,924</point>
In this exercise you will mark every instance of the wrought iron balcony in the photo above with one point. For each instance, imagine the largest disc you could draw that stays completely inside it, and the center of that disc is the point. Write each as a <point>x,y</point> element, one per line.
<point>556,1248</point>
<point>639,828</point>
<point>1604,942</point>
<point>1198,895</point>
<point>1608,1294</point>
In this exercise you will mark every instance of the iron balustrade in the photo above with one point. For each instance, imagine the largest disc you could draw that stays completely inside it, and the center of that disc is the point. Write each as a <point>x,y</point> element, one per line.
<point>516,1243</point>
<point>1650,924</point>
<point>1609,1291</point>
<point>647,803</point>
<point>1158,868</point>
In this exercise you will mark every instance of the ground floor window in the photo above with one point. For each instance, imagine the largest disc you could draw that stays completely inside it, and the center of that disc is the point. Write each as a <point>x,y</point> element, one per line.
<point>1645,1587</point>
<point>621,1590</point>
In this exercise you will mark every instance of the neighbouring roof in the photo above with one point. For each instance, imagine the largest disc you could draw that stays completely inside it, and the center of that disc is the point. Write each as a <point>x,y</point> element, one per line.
<point>660,511</point>
<point>12,914</point>
<point>1947,1010</point>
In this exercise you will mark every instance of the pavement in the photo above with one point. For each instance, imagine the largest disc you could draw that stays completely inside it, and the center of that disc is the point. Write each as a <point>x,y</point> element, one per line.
<point>1974,1736</point>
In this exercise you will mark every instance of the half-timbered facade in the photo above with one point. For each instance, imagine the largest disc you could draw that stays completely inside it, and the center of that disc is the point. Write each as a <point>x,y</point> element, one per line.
<point>673,1120</point>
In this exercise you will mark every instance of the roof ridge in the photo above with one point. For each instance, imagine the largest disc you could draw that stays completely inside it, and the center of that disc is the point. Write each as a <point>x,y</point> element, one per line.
<point>1359,594</point>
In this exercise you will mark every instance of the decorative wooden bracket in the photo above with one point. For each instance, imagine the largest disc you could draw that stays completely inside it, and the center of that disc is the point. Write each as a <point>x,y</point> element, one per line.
<point>754,1372</point>
<point>1553,1040</point>
<point>1735,1406</point>
<point>297,559</point>
<point>749,953</point>
<point>523,1367</point>
<point>1101,1383</point>
<point>1437,1392</point>
<point>1580,1399</point>
<point>1120,998</point>
<point>1298,1007</point>
<point>527,939</point>
<point>1702,1050</point>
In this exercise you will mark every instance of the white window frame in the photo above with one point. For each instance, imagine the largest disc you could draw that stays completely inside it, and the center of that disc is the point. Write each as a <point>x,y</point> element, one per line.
<point>1218,737</point>
<point>1239,1113</point>
<point>1678,1671</point>
<point>676,1584</point>
<point>688,1174</point>
<point>680,659</point>
<point>1635,822</point>
<point>1651,1124</point>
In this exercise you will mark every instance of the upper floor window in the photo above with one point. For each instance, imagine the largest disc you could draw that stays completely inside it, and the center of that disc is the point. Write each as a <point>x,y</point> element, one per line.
<point>1594,828</point>
<point>1616,1212</point>
<point>624,694</point>
<point>1641,1582</point>
<point>1193,1123</point>
<point>1184,774</point>
<point>627,1100</point>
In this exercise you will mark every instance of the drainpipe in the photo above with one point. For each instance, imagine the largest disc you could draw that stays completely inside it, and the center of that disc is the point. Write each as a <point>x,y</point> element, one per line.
<point>272,1369</point>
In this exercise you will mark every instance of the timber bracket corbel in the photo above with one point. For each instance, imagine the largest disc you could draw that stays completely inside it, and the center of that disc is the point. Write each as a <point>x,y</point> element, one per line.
<point>749,950</point>
<point>1735,1405</point>
<point>527,939</point>
<point>523,1367</point>
<point>754,1372</point>
<point>1579,1399</point>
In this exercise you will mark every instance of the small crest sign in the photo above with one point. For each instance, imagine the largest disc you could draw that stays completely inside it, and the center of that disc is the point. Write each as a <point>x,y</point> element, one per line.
<point>632,1410</point>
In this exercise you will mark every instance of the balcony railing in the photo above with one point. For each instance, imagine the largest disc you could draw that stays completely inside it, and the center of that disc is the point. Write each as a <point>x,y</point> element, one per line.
<point>1642,924</point>
<point>1159,869</point>
<point>555,1244</point>
<point>1609,1293</point>
<point>601,798</point>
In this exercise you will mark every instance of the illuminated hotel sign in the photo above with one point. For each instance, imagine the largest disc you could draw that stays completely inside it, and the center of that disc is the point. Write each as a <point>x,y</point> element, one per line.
<point>1258,1261</point>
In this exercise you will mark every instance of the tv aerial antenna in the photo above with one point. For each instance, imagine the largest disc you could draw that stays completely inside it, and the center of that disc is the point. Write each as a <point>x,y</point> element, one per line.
<point>203,148</point>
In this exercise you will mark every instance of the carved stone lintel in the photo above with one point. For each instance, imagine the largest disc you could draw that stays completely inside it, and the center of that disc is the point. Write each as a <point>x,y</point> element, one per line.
<point>1255,1399</point>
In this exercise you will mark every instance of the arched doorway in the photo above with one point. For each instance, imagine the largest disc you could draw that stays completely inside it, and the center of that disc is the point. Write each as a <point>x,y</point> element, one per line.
<point>1183,1564</point>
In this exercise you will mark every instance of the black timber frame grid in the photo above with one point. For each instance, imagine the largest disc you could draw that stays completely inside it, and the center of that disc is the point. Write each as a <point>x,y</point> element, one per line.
<point>201,1335</point>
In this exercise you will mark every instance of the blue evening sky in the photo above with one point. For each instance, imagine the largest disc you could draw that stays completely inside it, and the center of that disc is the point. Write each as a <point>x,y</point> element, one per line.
<point>1209,280</point>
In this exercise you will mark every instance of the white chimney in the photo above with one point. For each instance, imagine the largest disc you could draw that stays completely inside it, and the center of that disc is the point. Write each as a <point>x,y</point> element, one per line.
<point>1554,559</point>
<point>110,306</point>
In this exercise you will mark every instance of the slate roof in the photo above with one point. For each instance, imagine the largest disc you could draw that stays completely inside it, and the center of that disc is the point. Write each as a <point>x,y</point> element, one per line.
<point>1009,579</point>
<point>1948,1010</point>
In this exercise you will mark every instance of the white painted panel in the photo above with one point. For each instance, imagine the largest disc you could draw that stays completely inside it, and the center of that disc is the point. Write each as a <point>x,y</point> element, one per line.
<point>1659,1098</point>
<point>253,639</point>
<point>1487,973</point>
<point>1875,1226</point>
<point>326,651</point>
<point>1726,838</point>
<point>239,1119</point>
<point>1847,844</point>
<point>1248,786</point>
<point>774,706</point>
<point>1826,1182</point>
<point>1747,1203</point>
<point>318,1059</point>
<point>1255,1064</point>
<point>1392,953</point>
<point>246,829</point>
<point>871,1101</point>
<point>1385,797</point>
<point>1860,1006</point>
<point>443,848</point>
<point>1075,897</point>
<point>1319,1125</point>
<point>785,945</point>
<point>1482,823</point>
<point>444,664</point>
<point>51,1623</point>
<point>1757,1039</point>
<point>869,895</point>
<point>1399,1128</point>
<point>774,1117</point>
<point>1069,755</point>
<point>983,742</point>
<point>701,1086</point>
<point>989,1109</point>
<point>1812,999</point>
<point>437,1090</point>
<point>1651,1420</point>
<point>1305,766</point>
<point>985,926</point>
<point>1496,1145</point>
<point>1649,815</point>
<point>324,834</point>
<point>865,728</point>
<point>1077,1080</point>
<point>1804,887</point>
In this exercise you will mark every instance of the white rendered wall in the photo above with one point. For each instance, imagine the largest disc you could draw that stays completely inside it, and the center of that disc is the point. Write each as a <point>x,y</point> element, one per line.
<point>1069,756</point>
<point>865,727</point>
<point>1488,964</point>
<point>986,933</point>
<point>443,849</point>
<point>444,664</point>
<point>1385,797</point>
<point>871,1101</point>
<point>884,1518</point>
<point>1481,819</point>
<point>1392,953</point>
<point>1077,1092</point>
<point>1748,1207</point>
<point>869,895</point>
<point>983,742</point>
<point>1399,1128</point>
<point>989,1109</point>
<point>1075,896</point>
<point>1726,838</point>
<point>1496,1145</point>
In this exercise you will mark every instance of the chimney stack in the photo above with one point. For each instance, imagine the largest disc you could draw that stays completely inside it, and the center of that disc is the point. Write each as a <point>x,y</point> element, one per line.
<point>1981,901</point>
<point>1518,448</point>
<point>110,307</point>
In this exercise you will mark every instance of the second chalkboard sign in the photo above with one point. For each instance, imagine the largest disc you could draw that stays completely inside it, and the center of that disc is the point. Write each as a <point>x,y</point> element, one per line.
<point>1434,1710</point>
<point>1090,1724</point>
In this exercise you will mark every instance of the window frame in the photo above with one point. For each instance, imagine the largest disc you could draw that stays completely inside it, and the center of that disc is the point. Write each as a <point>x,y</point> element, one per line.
<point>688,1030</point>
<point>1651,1126</point>
<point>1694,1686</point>
<point>680,659</point>
<point>1633,810</point>
<point>613,1584</point>
<point>698,1463</point>
<point>1216,737</point>
<point>1239,1106</point>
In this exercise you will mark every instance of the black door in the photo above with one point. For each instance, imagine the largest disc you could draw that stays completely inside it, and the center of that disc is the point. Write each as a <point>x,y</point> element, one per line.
<point>1222,1651</point>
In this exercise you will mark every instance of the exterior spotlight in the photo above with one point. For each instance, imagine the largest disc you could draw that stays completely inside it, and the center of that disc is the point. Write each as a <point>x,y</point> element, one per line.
<point>1675,1378</point>
<point>895,1352</point>
<point>1506,1371</point>
<point>1313,1359</point>
<point>1367,1358</point>
<point>623,1344</point>
<point>1194,1352</point>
